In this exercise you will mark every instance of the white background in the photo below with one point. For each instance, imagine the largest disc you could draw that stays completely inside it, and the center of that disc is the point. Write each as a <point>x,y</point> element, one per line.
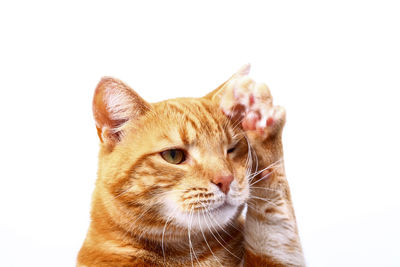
<point>334,65</point>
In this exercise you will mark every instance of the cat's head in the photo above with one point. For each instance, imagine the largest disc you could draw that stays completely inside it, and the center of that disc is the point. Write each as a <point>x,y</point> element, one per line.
<point>180,162</point>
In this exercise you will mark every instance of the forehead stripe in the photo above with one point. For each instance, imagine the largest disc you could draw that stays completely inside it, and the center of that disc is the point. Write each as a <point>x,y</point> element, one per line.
<point>186,112</point>
<point>186,117</point>
<point>212,115</point>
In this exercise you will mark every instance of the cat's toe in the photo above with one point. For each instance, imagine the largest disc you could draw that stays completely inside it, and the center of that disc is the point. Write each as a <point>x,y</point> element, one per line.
<point>251,120</point>
<point>272,120</point>
<point>252,103</point>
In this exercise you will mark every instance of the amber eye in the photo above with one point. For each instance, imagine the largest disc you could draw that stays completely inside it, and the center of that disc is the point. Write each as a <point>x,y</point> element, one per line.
<point>173,156</point>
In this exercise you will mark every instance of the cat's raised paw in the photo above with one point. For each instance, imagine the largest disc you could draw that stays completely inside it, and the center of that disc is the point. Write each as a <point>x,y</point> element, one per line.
<point>251,103</point>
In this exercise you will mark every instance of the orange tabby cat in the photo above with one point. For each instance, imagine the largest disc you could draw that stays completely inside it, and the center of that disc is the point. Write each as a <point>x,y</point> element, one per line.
<point>174,177</point>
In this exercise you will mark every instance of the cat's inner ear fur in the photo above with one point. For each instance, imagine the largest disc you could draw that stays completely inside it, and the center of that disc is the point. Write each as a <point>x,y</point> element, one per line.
<point>217,93</point>
<point>114,104</point>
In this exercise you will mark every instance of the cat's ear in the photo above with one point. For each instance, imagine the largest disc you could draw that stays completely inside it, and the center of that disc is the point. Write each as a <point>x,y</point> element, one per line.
<point>217,93</point>
<point>114,104</point>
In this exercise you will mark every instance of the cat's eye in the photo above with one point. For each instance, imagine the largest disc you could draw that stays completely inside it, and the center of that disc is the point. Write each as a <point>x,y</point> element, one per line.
<point>173,156</point>
<point>230,150</point>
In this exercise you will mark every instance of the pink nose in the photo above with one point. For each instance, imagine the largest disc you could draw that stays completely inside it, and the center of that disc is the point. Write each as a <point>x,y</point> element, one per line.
<point>223,182</point>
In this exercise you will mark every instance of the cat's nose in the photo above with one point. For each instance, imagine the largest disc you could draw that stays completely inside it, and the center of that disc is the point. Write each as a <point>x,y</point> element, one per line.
<point>223,182</point>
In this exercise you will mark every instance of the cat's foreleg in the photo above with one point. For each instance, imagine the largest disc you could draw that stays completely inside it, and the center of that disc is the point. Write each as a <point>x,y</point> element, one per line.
<point>271,236</point>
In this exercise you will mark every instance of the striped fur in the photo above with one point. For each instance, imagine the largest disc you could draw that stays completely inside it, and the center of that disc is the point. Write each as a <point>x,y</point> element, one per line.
<point>148,212</point>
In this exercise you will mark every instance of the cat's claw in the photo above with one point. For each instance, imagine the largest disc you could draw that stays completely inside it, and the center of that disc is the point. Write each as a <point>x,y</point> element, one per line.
<point>251,103</point>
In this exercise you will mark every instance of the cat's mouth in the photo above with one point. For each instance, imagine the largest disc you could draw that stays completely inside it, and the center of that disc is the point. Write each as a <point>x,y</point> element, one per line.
<point>224,205</point>
<point>202,216</point>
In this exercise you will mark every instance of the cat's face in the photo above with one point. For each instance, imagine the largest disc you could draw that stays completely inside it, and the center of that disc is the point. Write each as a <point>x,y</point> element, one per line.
<point>180,162</point>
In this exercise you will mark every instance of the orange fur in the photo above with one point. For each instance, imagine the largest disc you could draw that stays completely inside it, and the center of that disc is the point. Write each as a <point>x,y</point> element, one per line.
<point>149,212</point>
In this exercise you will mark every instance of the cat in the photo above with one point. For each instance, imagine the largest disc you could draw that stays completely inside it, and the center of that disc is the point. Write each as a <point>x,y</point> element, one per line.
<point>175,176</point>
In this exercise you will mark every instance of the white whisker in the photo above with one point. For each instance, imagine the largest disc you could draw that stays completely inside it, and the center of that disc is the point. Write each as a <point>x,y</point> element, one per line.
<point>262,178</point>
<point>205,239</point>
<point>163,233</point>
<point>265,188</point>
<point>266,168</point>
<point>264,199</point>
<point>221,238</point>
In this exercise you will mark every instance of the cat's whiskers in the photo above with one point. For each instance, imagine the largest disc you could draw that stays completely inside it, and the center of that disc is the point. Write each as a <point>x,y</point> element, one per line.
<point>253,152</point>
<point>132,225</point>
<point>249,161</point>
<point>266,168</point>
<point>191,248</point>
<point>163,233</point>
<point>190,245</point>
<point>144,231</point>
<point>265,188</point>
<point>207,213</point>
<point>263,178</point>
<point>237,123</point>
<point>226,122</point>
<point>219,226</point>
<point>205,239</point>
<point>202,232</point>
<point>230,117</point>
<point>264,199</point>
<point>120,194</point>
<point>234,123</point>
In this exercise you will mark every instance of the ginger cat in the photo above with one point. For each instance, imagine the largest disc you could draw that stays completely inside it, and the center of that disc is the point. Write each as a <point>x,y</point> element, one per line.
<point>174,177</point>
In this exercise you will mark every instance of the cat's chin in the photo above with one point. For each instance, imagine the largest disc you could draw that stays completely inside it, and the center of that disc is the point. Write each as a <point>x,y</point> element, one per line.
<point>204,220</point>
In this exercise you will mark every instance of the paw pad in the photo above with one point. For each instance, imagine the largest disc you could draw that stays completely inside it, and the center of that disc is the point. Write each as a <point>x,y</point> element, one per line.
<point>251,103</point>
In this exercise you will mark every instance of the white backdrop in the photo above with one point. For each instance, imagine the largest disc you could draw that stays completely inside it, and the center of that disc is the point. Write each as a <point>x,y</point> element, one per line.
<point>334,65</point>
